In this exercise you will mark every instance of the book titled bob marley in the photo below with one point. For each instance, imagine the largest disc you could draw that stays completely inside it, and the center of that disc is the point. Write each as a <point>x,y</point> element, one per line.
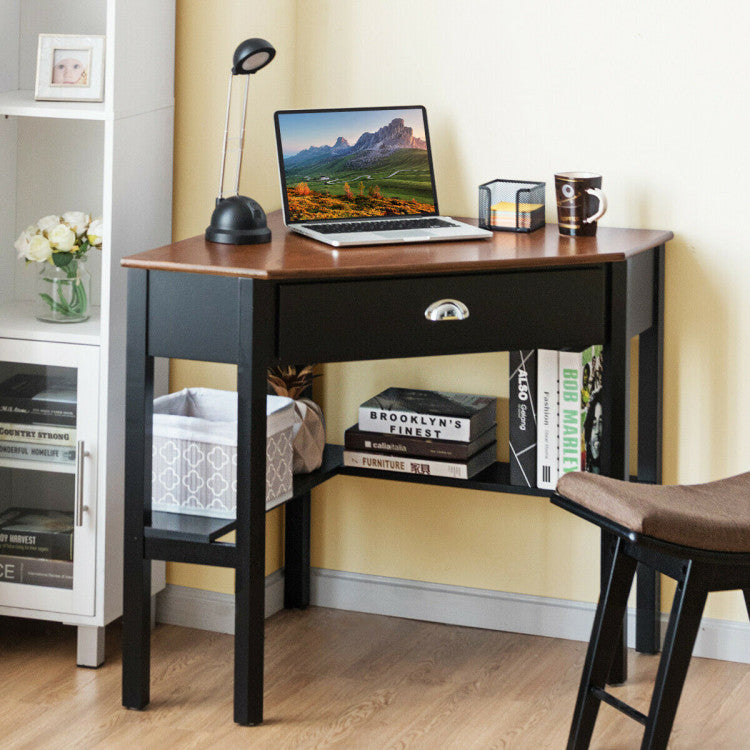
<point>580,377</point>
<point>437,415</point>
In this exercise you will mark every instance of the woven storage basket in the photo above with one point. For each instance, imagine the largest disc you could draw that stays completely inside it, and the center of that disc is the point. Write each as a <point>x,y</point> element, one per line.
<point>195,452</point>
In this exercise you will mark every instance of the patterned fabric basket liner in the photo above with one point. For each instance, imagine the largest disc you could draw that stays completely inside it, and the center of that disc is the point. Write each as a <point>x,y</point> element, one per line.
<point>195,452</point>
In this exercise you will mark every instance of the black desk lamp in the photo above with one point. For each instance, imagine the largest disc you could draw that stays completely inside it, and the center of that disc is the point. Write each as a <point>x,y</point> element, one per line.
<point>239,220</point>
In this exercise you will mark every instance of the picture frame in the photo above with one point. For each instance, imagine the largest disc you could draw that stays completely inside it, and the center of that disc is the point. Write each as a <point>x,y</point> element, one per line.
<point>70,67</point>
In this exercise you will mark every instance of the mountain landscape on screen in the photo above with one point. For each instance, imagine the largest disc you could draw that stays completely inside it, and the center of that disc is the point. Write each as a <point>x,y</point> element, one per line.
<point>384,173</point>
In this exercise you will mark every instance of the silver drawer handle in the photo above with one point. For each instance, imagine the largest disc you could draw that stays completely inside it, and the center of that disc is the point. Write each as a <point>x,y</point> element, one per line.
<point>447,309</point>
<point>81,453</point>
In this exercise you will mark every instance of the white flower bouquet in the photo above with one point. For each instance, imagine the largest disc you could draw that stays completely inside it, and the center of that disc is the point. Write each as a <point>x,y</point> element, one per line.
<point>60,244</point>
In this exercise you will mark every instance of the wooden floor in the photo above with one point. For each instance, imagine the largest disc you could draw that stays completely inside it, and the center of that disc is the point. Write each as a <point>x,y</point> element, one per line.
<point>344,680</point>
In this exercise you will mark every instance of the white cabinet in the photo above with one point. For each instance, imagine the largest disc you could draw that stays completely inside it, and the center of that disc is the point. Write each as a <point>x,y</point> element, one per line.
<point>53,469</point>
<point>110,158</point>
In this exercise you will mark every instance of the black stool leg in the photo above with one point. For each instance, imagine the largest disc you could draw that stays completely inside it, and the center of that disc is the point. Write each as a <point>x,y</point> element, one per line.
<point>604,639</point>
<point>684,621</point>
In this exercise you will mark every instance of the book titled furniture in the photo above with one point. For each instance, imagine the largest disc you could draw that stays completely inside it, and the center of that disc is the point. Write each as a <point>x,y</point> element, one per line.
<point>293,300</point>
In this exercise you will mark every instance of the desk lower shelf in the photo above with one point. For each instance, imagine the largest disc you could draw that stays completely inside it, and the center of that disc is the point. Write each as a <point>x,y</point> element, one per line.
<point>182,527</point>
<point>188,538</point>
<point>495,478</point>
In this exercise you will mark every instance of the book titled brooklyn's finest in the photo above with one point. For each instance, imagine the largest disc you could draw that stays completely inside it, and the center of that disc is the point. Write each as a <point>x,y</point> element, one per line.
<point>47,434</point>
<point>37,532</point>
<point>428,414</point>
<point>30,397</point>
<point>36,571</point>
<point>405,445</point>
<point>422,466</point>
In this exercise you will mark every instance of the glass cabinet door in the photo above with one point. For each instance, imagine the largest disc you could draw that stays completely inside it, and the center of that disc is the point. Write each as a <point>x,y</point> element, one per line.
<point>48,448</point>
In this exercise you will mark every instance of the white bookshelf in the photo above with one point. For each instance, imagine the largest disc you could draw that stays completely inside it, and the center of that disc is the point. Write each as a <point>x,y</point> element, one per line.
<point>21,103</point>
<point>111,158</point>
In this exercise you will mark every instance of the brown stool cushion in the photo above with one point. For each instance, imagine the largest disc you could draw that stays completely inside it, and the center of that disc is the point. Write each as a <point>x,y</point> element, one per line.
<point>712,516</point>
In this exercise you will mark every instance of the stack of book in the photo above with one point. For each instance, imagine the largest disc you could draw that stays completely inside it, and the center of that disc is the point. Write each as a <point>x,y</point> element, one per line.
<point>37,424</point>
<point>38,418</point>
<point>36,547</point>
<point>431,433</point>
<point>555,411</point>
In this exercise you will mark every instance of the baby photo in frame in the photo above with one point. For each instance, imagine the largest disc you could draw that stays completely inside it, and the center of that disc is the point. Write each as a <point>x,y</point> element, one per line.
<point>70,68</point>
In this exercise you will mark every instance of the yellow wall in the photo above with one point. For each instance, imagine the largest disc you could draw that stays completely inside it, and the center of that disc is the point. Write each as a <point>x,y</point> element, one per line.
<point>207,34</point>
<point>645,93</point>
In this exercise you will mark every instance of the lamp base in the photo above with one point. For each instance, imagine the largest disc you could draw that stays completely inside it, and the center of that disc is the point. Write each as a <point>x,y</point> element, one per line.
<point>238,220</point>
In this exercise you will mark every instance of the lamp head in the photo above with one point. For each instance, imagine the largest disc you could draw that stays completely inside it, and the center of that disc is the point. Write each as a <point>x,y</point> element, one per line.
<point>252,55</point>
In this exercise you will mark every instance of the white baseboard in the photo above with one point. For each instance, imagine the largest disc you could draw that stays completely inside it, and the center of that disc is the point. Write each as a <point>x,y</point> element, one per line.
<point>453,605</point>
<point>434,602</point>
<point>211,610</point>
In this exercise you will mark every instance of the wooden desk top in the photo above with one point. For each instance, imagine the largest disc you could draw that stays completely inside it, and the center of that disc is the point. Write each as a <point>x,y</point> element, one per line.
<point>291,256</point>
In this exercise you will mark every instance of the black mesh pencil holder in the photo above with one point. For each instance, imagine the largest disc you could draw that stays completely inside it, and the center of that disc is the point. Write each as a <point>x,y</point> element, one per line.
<point>511,205</point>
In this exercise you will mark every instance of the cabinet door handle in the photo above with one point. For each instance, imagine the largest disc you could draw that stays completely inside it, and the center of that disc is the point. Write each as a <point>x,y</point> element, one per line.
<point>447,309</point>
<point>81,453</point>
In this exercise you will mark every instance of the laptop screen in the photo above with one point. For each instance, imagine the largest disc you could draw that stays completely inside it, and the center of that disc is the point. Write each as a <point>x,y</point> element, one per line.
<point>355,163</point>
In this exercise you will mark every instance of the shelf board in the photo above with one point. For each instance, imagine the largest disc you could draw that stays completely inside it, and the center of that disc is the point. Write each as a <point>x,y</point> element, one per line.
<point>21,103</point>
<point>495,478</point>
<point>332,461</point>
<point>205,530</point>
<point>187,528</point>
<point>17,321</point>
<point>56,467</point>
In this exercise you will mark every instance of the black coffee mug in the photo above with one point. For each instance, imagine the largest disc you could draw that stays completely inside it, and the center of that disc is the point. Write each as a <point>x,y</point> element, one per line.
<point>580,203</point>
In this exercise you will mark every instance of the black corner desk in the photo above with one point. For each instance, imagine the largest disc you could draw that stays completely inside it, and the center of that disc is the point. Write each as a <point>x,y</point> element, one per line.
<point>297,301</point>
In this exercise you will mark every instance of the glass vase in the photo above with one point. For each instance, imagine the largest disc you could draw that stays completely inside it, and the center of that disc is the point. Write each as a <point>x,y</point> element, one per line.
<point>63,293</point>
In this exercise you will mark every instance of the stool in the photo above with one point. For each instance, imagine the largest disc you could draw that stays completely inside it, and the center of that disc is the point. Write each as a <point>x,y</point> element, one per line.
<point>697,534</point>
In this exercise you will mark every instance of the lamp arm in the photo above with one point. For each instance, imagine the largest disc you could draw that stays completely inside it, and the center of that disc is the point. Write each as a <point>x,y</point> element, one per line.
<point>226,138</point>
<point>242,137</point>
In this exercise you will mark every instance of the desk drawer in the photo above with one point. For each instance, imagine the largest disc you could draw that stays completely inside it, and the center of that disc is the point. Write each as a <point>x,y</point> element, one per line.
<point>384,318</point>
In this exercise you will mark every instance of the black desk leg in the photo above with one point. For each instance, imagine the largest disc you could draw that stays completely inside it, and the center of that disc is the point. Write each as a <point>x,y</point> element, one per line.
<point>255,347</point>
<point>297,553</point>
<point>616,403</point>
<point>650,411</point>
<point>618,672</point>
<point>136,618</point>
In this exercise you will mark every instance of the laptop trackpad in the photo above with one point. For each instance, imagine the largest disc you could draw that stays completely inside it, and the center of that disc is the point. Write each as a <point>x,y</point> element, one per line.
<point>403,234</point>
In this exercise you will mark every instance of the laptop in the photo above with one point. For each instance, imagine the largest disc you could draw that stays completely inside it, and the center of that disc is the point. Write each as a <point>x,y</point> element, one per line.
<point>362,177</point>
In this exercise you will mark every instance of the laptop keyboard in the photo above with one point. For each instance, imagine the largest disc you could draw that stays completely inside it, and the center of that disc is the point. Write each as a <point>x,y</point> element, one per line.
<point>378,226</point>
